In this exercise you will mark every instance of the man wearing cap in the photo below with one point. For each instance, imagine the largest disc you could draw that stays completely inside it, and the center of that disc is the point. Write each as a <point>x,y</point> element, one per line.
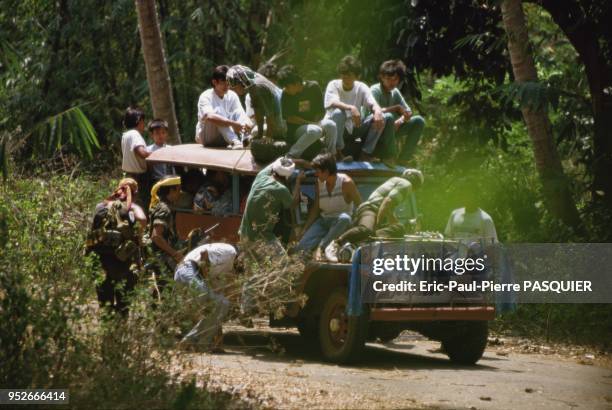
<point>269,196</point>
<point>378,210</point>
<point>162,229</point>
<point>265,99</point>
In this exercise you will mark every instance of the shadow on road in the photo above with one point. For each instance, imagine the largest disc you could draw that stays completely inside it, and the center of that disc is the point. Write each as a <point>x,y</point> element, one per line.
<point>289,347</point>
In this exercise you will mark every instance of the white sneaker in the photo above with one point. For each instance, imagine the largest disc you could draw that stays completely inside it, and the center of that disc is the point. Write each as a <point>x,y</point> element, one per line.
<point>236,145</point>
<point>331,252</point>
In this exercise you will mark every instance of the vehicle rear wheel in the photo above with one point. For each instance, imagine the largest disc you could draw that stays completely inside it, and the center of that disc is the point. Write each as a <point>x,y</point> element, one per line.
<point>341,337</point>
<point>466,341</point>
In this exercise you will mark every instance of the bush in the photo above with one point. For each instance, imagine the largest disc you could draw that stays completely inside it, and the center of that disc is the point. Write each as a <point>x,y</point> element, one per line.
<point>52,335</point>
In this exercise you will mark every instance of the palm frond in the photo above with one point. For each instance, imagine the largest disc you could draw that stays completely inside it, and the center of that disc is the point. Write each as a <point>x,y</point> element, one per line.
<point>70,128</point>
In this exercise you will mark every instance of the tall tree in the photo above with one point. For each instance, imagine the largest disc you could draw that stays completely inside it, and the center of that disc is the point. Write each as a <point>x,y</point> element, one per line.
<point>556,190</point>
<point>586,23</point>
<point>158,76</point>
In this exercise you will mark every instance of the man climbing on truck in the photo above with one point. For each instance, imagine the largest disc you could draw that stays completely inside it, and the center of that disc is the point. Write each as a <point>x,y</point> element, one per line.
<point>376,215</point>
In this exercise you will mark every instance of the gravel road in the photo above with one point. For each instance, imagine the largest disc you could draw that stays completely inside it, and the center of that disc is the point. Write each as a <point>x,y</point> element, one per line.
<point>277,369</point>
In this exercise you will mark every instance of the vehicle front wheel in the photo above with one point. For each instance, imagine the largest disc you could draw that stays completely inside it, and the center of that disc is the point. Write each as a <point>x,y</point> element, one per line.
<point>341,337</point>
<point>465,342</point>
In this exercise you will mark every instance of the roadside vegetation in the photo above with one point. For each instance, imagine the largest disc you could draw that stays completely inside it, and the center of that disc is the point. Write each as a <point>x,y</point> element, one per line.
<point>60,122</point>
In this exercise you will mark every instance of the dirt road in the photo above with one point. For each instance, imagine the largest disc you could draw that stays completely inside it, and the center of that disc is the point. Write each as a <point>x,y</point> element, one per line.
<point>277,369</point>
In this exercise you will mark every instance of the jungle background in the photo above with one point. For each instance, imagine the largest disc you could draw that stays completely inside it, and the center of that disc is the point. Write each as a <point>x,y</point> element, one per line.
<point>68,70</point>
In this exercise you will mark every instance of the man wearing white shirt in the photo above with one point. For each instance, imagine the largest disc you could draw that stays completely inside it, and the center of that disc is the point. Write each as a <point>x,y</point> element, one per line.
<point>221,118</point>
<point>203,265</point>
<point>134,152</point>
<point>345,100</point>
<point>471,223</point>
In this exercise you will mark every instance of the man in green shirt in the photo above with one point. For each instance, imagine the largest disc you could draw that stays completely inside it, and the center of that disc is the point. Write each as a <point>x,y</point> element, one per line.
<point>408,128</point>
<point>269,196</point>
<point>378,210</point>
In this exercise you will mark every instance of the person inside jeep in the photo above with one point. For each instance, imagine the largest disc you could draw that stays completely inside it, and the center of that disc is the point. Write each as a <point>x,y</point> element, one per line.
<point>115,238</point>
<point>376,217</point>
<point>215,195</point>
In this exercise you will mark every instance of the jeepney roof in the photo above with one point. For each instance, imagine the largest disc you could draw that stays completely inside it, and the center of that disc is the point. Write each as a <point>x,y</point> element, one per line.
<point>242,162</point>
<point>196,155</point>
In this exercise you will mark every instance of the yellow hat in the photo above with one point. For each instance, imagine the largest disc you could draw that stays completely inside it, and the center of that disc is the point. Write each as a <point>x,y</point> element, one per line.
<point>169,181</point>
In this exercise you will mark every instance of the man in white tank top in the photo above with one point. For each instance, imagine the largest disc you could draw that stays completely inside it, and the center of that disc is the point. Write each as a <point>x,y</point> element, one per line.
<point>335,197</point>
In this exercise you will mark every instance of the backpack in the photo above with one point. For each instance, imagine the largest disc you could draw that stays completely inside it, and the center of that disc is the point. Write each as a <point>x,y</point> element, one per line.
<point>112,232</point>
<point>265,150</point>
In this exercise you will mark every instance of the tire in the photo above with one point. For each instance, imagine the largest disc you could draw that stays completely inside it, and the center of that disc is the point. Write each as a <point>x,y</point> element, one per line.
<point>266,150</point>
<point>466,341</point>
<point>341,337</point>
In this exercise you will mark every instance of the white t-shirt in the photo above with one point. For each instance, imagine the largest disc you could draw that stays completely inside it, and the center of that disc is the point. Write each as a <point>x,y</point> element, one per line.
<point>220,255</point>
<point>360,96</point>
<point>473,225</point>
<point>210,103</point>
<point>132,163</point>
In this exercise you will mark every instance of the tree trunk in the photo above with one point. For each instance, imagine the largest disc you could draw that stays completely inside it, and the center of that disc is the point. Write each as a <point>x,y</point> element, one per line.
<point>158,77</point>
<point>586,40</point>
<point>555,185</point>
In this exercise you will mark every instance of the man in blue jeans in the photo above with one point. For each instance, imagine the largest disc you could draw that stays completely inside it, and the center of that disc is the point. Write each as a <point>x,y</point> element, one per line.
<point>302,106</point>
<point>406,126</point>
<point>335,196</point>
<point>346,99</point>
<point>203,266</point>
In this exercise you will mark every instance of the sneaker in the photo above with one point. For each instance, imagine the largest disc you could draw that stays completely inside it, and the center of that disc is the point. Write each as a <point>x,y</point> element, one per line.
<point>331,252</point>
<point>236,144</point>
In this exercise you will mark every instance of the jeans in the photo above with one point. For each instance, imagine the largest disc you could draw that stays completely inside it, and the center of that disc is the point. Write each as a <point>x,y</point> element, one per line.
<point>323,231</point>
<point>187,273</point>
<point>308,134</point>
<point>213,135</point>
<point>409,134</point>
<point>366,131</point>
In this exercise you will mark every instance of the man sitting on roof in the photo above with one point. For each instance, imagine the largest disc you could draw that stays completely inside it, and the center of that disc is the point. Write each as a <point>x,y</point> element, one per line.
<point>265,99</point>
<point>345,99</point>
<point>407,127</point>
<point>302,105</point>
<point>221,118</point>
<point>378,210</point>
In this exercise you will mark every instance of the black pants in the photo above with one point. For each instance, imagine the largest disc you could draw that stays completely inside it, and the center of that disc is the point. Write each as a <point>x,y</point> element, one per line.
<point>363,228</point>
<point>143,198</point>
<point>119,282</point>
